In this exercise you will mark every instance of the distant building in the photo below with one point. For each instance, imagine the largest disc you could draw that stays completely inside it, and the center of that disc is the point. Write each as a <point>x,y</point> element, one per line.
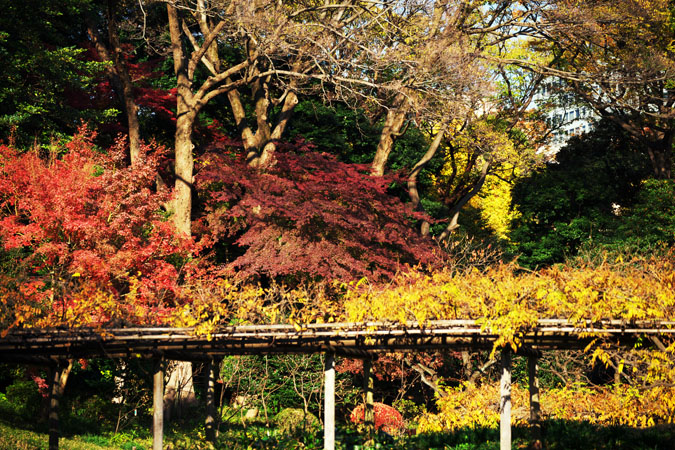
<point>565,116</point>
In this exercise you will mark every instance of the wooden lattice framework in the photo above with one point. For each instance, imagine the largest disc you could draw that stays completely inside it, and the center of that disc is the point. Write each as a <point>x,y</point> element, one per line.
<point>53,346</point>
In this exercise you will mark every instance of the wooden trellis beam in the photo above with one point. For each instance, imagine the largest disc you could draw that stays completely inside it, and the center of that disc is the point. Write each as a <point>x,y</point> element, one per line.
<point>357,339</point>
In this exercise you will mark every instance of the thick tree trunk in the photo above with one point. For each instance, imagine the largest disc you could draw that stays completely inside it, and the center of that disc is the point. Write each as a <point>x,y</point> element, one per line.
<point>179,391</point>
<point>261,145</point>
<point>393,124</point>
<point>133,124</point>
<point>183,171</point>
<point>267,153</point>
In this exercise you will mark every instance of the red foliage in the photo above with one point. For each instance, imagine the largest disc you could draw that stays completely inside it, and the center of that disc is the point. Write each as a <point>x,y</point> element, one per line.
<point>40,382</point>
<point>387,418</point>
<point>86,217</point>
<point>160,101</point>
<point>309,215</point>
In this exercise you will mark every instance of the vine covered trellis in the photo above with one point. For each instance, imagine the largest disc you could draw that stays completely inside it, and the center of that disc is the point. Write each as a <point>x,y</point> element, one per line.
<point>363,340</point>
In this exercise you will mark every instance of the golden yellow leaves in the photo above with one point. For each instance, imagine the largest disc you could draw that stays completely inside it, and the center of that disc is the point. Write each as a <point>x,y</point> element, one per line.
<point>471,405</point>
<point>509,303</point>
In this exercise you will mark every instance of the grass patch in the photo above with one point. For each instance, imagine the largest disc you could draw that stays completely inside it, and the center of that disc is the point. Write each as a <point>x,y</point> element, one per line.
<point>556,435</point>
<point>12,438</point>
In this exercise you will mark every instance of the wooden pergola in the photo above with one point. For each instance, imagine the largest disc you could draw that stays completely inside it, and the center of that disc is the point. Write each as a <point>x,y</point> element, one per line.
<point>361,340</point>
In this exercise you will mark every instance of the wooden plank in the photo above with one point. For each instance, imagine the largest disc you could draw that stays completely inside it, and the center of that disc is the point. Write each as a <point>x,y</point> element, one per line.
<point>329,402</point>
<point>348,338</point>
<point>505,402</point>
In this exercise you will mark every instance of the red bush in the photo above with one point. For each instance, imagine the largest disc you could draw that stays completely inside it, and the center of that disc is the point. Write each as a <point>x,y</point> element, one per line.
<point>387,419</point>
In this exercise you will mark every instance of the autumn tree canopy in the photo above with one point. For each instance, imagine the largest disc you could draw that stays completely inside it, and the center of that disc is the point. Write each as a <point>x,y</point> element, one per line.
<point>433,102</point>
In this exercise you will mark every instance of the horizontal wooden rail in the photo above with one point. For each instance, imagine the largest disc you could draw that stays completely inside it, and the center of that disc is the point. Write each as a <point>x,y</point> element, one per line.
<point>358,339</point>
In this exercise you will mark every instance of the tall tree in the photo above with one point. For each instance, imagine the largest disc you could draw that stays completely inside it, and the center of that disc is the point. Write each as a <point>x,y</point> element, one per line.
<point>104,35</point>
<point>618,57</point>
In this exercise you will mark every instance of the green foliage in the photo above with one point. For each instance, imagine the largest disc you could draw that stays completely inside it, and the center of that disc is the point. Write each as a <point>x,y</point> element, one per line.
<point>293,420</point>
<point>574,199</point>
<point>45,76</point>
<point>274,383</point>
<point>336,129</point>
<point>650,222</point>
<point>22,400</point>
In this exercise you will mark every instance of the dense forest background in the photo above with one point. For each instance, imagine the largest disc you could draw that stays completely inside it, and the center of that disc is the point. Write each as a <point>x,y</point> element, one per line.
<point>203,162</point>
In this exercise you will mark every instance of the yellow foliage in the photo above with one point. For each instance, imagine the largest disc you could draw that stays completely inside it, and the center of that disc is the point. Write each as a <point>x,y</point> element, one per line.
<point>509,303</point>
<point>494,204</point>
<point>470,405</point>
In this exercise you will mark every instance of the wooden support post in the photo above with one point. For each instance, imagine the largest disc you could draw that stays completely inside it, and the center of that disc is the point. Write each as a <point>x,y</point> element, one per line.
<point>505,402</point>
<point>158,406</point>
<point>60,372</point>
<point>54,397</point>
<point>535,408</point>
<point>329,402</point>
<point>368,385</point>
<point>211,375</point>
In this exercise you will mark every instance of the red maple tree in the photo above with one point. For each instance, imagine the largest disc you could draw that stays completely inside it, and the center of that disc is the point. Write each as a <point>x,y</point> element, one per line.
<point>307,216</point>
<point>81,215</point>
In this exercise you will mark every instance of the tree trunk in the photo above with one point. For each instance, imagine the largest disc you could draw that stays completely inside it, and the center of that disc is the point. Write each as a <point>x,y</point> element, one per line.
<point>179,392</point>
<point>454,212</point>
<point>660,155</point>
<point>183,171</point>
<point>267,153</point>
<point>58,381</point>
<point>412,178</point>
<point>261,145</point>
<point>126,92</point>
<point>118,74</point>
<point>393,124</point>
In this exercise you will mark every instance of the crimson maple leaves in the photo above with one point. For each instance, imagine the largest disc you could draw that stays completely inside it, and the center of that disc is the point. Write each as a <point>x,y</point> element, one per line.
<point>85,217</point>
<point>86,221</point>
<point>309,216</point>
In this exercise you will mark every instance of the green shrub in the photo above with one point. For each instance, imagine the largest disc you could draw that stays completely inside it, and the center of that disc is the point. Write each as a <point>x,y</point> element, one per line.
<point>25,399</point>
<point>292,420</point>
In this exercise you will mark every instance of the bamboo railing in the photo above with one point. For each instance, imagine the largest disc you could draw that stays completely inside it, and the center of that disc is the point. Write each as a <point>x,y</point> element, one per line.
<point>54,346</point>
